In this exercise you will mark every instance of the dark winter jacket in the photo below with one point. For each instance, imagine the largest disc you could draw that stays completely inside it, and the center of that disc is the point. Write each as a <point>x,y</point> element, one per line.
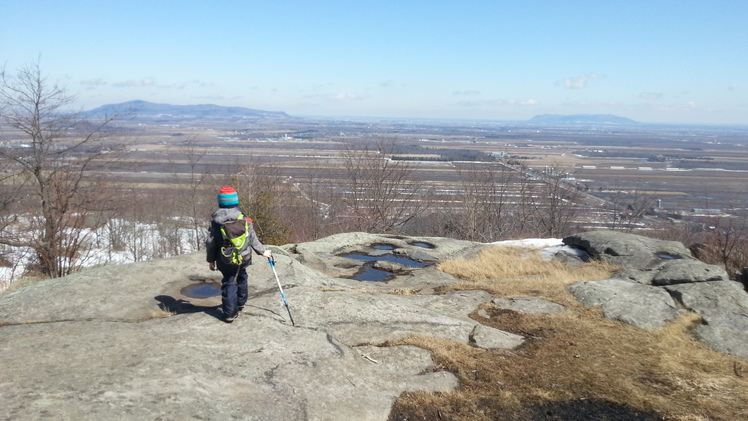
<point>215,239</point>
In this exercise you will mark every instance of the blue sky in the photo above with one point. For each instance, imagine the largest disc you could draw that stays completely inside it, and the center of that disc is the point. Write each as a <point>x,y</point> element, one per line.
<point>653,61</point>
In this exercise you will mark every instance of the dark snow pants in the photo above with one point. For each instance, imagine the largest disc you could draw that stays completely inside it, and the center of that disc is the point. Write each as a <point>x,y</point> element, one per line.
<point>234,290</point>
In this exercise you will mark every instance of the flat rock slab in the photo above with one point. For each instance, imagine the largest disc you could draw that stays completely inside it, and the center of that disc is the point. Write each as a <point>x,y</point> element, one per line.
<point>636,304</point>
<point>627,250</point>
<point>687,271</point>
<point>725,332</point>
<point>191,367</point>
<point>326,255</point>
<point>726,296</point>
<point>489,338</point>
<point>723,307</point>
<point>124,342</point>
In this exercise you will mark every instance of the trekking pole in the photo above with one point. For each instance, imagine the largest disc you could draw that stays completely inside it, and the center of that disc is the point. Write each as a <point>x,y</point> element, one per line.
<point>285,303</point>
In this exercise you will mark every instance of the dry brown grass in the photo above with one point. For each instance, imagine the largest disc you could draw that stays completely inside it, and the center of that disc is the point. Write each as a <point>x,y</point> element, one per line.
<point>573,355</point>
<point>10,286</point>
<point>508,272</point>
<point>161,313</point>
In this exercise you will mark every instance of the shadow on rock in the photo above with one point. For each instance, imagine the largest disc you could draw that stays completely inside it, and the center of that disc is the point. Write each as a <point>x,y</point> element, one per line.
<point>179,306</point>
<point>575,410</point>
<point>589,410</point>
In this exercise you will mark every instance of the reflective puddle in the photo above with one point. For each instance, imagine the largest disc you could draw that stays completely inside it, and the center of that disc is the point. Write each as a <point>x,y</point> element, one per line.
<point>202,290</point>
<point>406,261</point>
<point>373,275</point>
<point>422,244</point>
<point>666,256</point>
<point>369,273</point>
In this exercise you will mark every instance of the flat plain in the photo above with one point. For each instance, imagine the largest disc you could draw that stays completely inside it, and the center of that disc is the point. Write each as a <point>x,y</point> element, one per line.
<point>680,169</point>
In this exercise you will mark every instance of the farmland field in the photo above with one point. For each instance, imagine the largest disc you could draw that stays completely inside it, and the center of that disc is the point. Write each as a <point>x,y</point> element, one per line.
<point>681,169</point>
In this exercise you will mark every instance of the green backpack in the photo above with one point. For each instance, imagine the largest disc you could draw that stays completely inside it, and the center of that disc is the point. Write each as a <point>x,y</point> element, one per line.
<point>235,244</point>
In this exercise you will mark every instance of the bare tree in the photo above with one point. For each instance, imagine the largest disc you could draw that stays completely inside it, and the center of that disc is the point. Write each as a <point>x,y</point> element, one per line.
<point>523,207</point>
<point>628,208</point>
<point>59,150</point>
<point>314,214</point>
<point>190,178</point>
<point>10,188</point>
<point>484,202</point>
<point>558,203</point>
<point>265,196</point>
<point>726,241</point>
<point>382,194</point>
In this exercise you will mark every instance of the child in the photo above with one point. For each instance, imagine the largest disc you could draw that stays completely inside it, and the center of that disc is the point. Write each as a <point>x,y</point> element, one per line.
<point>234,290</point>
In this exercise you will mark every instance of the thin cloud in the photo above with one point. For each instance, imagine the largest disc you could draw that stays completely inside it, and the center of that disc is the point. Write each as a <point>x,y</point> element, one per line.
<point>466,93</point>
<point>191,83</point>
<point>499,103</point>
<point>387,84</point>
<point>579,82</point>
<point>209,98</point>
<point>676,106</point>
<point>595,104</point>
<point>522,103</point>
<point>93,82</point>
<point>142,83</point>
<point>347,96</point>
<point>651,96</point>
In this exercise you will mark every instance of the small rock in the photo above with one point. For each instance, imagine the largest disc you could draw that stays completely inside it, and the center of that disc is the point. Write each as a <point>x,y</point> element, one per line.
<point>638,305</point>
<point>490,338</point>
<point>531,305</point>
<point>688,271</point>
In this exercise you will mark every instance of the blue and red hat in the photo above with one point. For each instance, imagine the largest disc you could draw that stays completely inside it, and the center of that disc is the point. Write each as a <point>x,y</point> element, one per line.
<point>227,197</point>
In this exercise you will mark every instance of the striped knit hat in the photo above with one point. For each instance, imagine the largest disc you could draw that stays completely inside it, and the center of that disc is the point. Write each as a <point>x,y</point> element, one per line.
<point>227,197</point>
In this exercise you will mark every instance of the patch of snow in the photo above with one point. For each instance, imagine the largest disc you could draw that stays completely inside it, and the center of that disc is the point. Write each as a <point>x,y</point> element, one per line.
<point>135,241</point>
<point>546,247</point>
<point>531,243</point>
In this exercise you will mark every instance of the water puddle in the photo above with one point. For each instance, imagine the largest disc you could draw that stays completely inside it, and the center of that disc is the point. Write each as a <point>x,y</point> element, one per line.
<point>202,290</point>
<point>422,244</point>
<point>666,255</point>
<point>406,261</point>
<point>372,275</point>
<point>369,273</point>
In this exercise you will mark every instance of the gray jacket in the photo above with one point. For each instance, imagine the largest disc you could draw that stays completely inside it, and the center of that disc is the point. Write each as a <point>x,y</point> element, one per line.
<point>215,238</point>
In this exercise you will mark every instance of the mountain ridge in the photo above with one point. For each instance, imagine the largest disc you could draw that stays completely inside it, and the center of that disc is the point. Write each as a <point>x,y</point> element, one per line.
<point>145,110</point>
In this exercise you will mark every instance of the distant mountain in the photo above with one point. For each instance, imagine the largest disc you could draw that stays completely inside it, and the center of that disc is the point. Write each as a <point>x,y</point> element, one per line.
<point>582,119</point>
<point>144,110</point>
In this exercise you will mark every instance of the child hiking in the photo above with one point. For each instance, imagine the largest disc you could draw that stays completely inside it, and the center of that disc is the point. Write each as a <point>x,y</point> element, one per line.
<point>231,239</point>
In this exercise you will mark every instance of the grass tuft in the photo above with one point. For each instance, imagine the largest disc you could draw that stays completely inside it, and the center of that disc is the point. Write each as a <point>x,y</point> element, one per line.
<point>577,355</point>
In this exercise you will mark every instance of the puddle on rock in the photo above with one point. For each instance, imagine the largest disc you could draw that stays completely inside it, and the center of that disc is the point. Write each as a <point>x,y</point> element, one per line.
<point>422,244</point>
<point>382,246</point>
<point>667,256</point>
<point>370,274</point>
<point>406,261</point>
<point>202,290</point>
